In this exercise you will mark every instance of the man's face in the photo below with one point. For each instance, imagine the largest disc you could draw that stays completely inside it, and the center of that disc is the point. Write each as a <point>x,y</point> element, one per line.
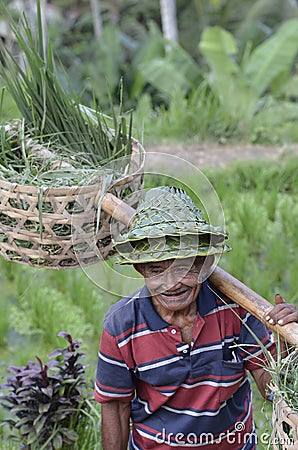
<point>174,284</point>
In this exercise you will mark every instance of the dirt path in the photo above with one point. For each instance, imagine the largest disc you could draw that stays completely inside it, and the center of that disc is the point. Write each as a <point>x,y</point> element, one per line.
<point>222,155</point>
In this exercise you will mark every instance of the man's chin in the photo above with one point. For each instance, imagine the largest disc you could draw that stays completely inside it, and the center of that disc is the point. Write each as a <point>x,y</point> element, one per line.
<point>175,301</point>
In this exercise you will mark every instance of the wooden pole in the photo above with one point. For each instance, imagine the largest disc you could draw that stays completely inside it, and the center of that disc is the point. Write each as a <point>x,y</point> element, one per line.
<point>117,209</point>
<point>252,302</point>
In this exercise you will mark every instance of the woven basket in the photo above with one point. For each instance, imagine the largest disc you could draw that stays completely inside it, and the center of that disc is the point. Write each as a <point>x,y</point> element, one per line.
<point>68,237</point>
<point>285,427</point>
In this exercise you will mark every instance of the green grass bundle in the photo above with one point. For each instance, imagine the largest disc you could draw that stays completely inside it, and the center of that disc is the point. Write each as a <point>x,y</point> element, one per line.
<point>81,140</point>
<point>285,380</point>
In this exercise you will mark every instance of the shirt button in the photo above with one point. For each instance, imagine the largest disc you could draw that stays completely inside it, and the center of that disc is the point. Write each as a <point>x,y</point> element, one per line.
<point>184,351</point>
<point>173,331</point>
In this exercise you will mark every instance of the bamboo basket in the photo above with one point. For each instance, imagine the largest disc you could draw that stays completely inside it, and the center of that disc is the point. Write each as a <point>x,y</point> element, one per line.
<point>58,230</point>
<point>285,427</point>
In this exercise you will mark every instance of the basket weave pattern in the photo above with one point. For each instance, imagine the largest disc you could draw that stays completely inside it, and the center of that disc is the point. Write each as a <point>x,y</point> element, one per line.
<point>285,427</point>
<point>67,217</point>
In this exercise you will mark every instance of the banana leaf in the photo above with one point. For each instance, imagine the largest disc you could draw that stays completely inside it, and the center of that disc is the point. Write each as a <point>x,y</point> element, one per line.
<point>273,57</point>
<point>220,50</point>
<point>240,86</point>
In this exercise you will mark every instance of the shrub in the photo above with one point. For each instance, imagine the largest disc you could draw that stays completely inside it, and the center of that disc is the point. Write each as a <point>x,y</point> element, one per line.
<point>48,401</point>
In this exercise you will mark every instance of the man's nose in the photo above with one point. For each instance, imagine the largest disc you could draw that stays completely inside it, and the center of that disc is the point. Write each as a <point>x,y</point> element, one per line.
<point>171,282</point>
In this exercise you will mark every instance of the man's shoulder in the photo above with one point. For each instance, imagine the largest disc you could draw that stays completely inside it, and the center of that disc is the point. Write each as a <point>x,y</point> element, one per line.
<point>125,312</point>
<point>125,304</point>
<point>213,300</point>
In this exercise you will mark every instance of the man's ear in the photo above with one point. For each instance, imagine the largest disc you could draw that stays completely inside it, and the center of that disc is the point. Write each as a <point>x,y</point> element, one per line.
<point>206,268</point>
<point>140,268</point>
<point>210,259</point>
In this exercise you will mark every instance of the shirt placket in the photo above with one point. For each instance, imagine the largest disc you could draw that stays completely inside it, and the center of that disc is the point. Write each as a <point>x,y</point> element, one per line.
<point>182,347</point>
<point>199,324</point>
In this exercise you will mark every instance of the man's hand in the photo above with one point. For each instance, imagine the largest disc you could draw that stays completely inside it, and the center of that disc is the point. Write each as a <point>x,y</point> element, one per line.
<point>282,312</point>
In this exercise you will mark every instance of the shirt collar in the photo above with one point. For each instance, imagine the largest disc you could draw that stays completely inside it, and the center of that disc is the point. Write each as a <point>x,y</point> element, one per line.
<point>207,300</point>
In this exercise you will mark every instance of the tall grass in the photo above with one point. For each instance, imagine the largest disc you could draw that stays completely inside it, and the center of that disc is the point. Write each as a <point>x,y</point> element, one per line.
<point>4,319</point>
<point>197,117</point>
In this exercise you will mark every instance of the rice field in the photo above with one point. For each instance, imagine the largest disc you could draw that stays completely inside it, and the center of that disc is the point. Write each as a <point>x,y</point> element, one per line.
<point>260,205</point>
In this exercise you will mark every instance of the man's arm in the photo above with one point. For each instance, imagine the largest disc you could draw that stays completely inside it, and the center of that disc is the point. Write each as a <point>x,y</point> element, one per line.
<point>262,378</point>
<point>115,425</point>
<point>282,313</point>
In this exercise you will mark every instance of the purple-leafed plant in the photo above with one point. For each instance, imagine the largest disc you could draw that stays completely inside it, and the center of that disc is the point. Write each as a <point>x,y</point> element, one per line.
<point>47,401</point>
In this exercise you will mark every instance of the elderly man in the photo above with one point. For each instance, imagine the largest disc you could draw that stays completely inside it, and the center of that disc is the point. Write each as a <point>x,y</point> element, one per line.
<point>174,356</point>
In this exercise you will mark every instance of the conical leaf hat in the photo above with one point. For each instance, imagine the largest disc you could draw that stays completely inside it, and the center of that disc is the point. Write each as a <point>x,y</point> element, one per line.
<point>168,225</point>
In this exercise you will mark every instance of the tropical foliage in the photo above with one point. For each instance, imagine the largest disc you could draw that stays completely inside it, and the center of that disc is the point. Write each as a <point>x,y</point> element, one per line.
<point>236,57</point>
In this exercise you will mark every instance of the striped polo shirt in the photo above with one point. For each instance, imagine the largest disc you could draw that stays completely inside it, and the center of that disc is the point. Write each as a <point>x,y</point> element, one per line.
<point>183,396</point>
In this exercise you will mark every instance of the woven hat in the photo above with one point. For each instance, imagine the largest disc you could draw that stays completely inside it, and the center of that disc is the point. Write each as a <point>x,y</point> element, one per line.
<point>168,225</point>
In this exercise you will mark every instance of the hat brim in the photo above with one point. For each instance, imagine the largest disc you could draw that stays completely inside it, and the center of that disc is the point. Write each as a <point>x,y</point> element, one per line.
<point>176,229</point>
<point>168,247</point>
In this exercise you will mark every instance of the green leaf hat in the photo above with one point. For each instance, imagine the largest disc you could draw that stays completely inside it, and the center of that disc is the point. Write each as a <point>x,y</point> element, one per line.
<point>168,225</point>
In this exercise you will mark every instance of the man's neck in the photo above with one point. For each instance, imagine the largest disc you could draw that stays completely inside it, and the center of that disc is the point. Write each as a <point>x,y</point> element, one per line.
<point>178,318</point>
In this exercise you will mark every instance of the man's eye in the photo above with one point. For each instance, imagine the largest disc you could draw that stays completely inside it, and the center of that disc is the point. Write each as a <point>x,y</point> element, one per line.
<point>181,270</point>
<point>154,272</point>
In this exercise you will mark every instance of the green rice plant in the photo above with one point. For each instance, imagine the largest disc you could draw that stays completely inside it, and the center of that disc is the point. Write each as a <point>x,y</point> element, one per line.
<point>7,269</point>
<point>43,311</point>
<point>288,216</point>
<point>89,427</point>
<point>251,220</point>
<point>4,321</point>
<point>81,292</point>
<point>275,123</point>
<point>276,258</point>
<point>270,200</point>
<point>293,281</point>
<point>4,309</point>
<point>259,176</point>
<point>260,281</point>
<point>260,205</point>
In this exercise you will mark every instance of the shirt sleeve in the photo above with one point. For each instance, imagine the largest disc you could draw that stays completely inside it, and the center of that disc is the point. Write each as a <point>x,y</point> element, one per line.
<point>257,344</point>
<point>114,380</point>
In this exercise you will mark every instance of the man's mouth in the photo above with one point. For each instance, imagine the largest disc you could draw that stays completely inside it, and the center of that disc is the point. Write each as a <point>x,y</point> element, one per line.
<point>176,294</point>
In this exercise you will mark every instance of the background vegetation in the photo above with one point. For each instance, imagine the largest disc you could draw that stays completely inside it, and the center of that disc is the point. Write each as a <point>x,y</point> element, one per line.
<point>261,212</point>
<point>232,77</point>
<point>232,74</point>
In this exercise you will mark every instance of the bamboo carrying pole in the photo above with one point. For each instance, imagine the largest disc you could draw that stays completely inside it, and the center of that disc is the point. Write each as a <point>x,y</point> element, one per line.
<point>252,302</point>
<point>222,280</point>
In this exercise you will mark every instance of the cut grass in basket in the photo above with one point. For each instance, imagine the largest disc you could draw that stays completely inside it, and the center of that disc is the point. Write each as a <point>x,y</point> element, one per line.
<point>58,143</point>
<point>53,117</point>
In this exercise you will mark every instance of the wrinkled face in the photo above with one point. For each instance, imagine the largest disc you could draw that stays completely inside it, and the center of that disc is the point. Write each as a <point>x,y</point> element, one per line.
<point>174,284</point>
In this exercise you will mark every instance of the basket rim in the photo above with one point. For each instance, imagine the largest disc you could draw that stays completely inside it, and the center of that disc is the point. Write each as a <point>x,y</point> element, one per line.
<point>137,150</point>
